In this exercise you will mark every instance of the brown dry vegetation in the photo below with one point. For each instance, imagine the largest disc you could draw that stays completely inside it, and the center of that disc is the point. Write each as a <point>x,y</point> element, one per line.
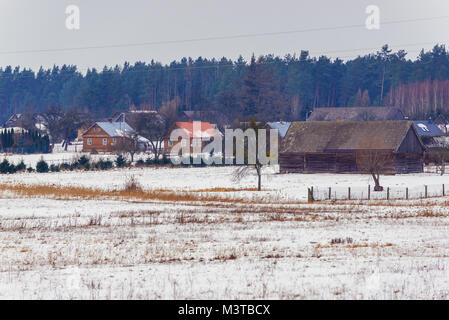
<point>225,190</point>
<point>72,192</point>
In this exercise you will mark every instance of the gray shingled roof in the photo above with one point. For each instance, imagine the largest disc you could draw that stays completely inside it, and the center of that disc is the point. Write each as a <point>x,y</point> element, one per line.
<point>356,114</point>
<point>315,137</point>
<point>116,129</point>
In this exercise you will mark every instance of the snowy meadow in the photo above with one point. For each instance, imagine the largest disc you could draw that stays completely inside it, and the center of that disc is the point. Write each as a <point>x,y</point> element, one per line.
<point>194,233</point>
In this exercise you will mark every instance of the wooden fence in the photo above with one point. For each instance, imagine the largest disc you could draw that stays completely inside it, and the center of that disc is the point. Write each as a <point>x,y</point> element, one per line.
<point>368,193</point>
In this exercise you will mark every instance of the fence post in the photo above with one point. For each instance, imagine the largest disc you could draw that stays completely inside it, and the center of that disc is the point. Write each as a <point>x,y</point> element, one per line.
<point>369,192</point>
<point>406,193</point>
<point>310,195</point>
<point>349,193</point>
<point>388,193</point>
<point>330,193</point>
<point>425,192</point>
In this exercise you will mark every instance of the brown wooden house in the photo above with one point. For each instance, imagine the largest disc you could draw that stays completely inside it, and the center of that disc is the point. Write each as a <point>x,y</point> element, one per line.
<point>337,147</point>
<point>103,136</point>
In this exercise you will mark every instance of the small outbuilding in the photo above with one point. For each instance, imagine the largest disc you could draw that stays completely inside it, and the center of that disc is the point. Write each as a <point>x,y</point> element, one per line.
<point>338,147</point>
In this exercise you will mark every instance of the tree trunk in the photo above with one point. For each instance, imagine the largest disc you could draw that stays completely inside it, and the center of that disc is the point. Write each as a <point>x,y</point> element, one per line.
<point>259,184</point>
<point>377,186</point>
<point>443,167</point>
<point>382,86</point>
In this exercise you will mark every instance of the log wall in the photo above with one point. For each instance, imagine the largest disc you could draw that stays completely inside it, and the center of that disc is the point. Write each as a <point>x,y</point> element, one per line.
<point>344,163</point>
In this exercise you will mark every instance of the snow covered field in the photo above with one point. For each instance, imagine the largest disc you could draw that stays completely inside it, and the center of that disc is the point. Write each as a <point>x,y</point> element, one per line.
<point>270,246</point>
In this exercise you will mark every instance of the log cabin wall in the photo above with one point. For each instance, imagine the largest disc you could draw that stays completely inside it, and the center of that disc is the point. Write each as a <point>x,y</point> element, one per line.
<point>408,163</point>
<point>401,163</point>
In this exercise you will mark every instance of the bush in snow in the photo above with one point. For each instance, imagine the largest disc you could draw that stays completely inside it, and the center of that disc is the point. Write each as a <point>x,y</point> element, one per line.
<point>42,166</point>
<point>6,167</point>
<point>120,162</point>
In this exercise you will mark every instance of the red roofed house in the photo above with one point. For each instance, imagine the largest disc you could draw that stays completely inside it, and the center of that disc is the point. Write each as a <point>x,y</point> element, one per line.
<point>199,133</point>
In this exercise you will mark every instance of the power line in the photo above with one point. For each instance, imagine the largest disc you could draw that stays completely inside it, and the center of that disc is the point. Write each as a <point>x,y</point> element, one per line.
<point>241,36</point>
<point>232,64</point>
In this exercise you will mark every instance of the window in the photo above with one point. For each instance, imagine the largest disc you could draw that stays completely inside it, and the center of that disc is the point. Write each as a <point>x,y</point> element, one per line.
<point>184,142</point>
<point>105,142</point>
<point>89,141</point>
<point>170,143</point>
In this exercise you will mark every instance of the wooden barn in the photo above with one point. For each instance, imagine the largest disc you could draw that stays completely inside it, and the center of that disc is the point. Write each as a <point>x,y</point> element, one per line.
<point>357,114</point>
<point>338,147</point>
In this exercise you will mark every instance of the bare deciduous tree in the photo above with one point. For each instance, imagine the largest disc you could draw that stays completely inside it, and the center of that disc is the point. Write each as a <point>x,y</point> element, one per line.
<point>245,171</point>
<point>374,163</point>
<point>155,126</point>
<point>441,154</point>
<point>62,126</point>
<point>128,144</point>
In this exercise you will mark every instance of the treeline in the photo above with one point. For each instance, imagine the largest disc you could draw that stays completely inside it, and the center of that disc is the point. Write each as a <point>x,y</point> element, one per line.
<point>24,142</point>
<point>270,87</point>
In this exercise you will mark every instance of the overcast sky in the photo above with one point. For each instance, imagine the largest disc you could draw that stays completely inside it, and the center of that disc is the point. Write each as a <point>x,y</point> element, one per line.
<point>41,25</point>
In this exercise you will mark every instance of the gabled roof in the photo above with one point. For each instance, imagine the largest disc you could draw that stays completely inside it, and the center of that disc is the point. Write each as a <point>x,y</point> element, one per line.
<point>114,129</point>
<point>317,137</point>
<point>427,129</point>
<point>356,114</point>
<point>202,129</point>
<point>282,127</point>
<point>123,115</point>
<point>210,116</point>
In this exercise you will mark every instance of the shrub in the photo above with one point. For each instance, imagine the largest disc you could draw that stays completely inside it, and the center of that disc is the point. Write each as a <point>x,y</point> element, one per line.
<point>87,166</point>
<point>84,162</point>
<point>42,166</point>
<point>29,169</point>
<point>21,166</point>
<point>6,167</point>
<point>140,163</point>
<point>55,168</point>
<point>132,184</point>
<point>104,165</point>
<point>120,162</point>
<point>149,161</point>
<point>65,167</point>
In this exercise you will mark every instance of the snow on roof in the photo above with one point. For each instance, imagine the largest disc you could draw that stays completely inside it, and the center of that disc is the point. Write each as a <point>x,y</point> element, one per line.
<point>282,127</point>
<point>427,129</point>
<point>116,129</point>
<point>16,130</point>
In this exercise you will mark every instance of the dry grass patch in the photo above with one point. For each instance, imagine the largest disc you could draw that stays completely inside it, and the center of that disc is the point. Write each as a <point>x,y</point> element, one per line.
<point>225,190</point>
<point>131,191</point>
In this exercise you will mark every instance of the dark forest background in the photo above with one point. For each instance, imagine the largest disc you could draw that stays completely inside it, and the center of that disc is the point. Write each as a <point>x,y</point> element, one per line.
<point>268,87</point>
